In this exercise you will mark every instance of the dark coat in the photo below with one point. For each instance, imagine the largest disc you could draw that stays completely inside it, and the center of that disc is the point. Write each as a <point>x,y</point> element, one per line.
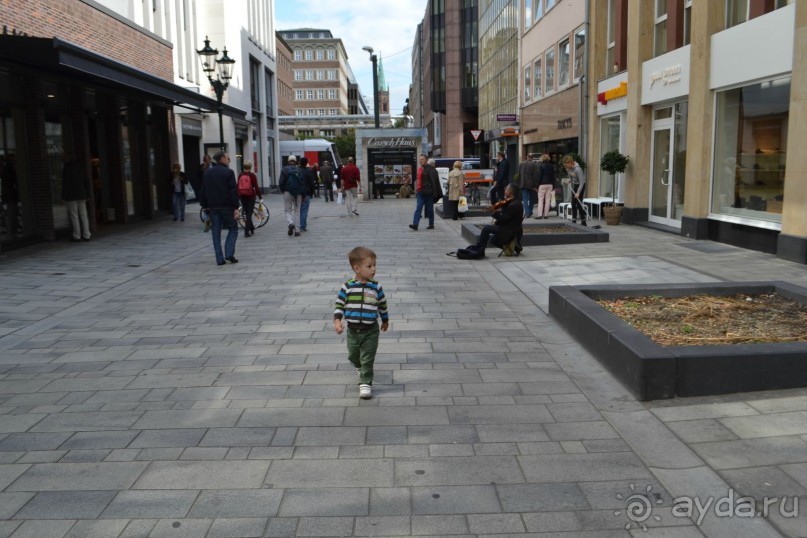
<point>502,174</point>
<point>219,188</point>
<point>310,179</point>
<point>430,181</point>
<point>75,183</point>
<point>508,219</point>
<point>326,173</point>
<point>528,174</point>
<point>546,173</point>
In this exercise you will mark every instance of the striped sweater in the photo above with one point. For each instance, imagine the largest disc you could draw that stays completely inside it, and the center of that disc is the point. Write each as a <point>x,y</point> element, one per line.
<point>361,303</point>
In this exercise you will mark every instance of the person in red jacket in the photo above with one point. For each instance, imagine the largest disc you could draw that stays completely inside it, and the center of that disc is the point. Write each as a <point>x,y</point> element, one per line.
<point>350,184</point>
<point>248,198</point>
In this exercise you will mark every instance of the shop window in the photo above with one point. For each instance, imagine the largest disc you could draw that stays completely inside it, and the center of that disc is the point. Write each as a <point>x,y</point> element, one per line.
<point>610,51</point>
<point>563,63</point>
<point>660,28</point>
<point>750,150</point>
<point>539,10</point>
<point>537,77</point>
<point>687,22</point>
<point>610,134</point>
<point>549,63</point>
<point>527,86</point>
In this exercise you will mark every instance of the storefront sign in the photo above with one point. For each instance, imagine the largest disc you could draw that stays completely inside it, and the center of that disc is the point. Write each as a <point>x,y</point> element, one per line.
<point>241,131</point>
<point>565,123</point>
<point>191,127</point>
<point>506,117</point>
<point>668,75</point>
<point>613,93</point>
<point>393,142</point>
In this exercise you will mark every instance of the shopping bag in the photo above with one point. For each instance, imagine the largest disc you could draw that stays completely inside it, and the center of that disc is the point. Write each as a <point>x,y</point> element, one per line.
<point>462,206</point>
<point>340,198</point>
<point>553,201</point>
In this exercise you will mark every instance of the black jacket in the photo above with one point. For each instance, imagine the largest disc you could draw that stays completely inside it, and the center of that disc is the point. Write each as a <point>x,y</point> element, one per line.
<point>546,174</point>
<point>502,174</point>
<point>75,184</point>
<point>326,173</point>
<point>310,179</point>
<point>430,181</point>
<point>509,221</point>
<point>219,188</point>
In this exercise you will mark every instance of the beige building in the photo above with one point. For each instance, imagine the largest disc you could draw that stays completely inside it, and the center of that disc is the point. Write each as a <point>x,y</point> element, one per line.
<point>708,101</point>
<point>553,45</point>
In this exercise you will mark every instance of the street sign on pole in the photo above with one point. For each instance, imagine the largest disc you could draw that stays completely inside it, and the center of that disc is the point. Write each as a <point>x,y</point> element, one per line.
<point>506,117</point>
<point>475,133</point>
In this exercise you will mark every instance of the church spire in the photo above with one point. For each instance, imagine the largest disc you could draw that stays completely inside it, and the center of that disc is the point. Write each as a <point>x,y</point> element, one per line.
<point>382,83</point>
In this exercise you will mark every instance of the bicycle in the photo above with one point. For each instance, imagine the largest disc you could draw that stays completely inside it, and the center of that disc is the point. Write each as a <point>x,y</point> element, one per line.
<point>260,216</point>
<point>473,194</point>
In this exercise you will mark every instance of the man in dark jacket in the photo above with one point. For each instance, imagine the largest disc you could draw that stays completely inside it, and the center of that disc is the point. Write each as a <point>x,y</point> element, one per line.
<point>508,223</point>
<point>501,178</point>
<point>326,176</point>
<point>428,182</point>
<point>219,197</point>
<point>75,191</point>
<point>310,179</point>
<point>527,177</point>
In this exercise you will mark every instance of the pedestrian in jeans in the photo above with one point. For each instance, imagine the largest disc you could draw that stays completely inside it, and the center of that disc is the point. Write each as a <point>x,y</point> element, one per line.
<point>427,183</point>
<point>219,197</point>
<point>178,181</point>
<point>360,302</point>
<point>248,196</point>
<point>578,183</point>
<point>291,201</point>
<point>527,177</point>
<point>310,179</point>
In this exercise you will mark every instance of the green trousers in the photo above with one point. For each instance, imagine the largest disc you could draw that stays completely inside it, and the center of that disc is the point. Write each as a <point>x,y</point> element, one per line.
<point>361,348</point>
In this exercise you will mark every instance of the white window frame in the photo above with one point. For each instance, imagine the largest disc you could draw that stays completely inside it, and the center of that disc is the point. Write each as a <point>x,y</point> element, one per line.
<point>299,95</point>
<point>538,78</point>
<point>528,14</point>
<point>298,74</point>
<point>320,55</point>
<point>687,22</point>
<point>582,57</point>
<point>332,74</point>
<point>610,48</point>
<point>321,95</point>
<point>331,54</point>
<point>309,74</point>
<point>331,94</point>
<point>298,55</point>
<point>309,55</point>
<point>658,21</point>
<point>320,74</point>
<point>547,69</point>
<point>561,83</point>
<point>332,112</point>
<point>528,83</point>
<point>537,11</point>
<point>309,95</point>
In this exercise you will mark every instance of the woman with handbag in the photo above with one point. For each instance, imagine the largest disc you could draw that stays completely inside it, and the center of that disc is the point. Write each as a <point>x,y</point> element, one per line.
<point>456,186</point>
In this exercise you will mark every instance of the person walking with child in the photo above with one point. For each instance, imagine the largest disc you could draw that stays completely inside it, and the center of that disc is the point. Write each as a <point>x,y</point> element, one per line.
<point>359,304</point>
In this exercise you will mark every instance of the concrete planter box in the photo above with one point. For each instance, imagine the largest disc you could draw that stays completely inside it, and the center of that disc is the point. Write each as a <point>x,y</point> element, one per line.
<point>472,212</point>
<point>651,371</point>
<point>576,234</point>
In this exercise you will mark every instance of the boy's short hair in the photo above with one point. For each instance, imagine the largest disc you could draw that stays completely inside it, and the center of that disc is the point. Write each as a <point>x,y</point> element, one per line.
<point>358,254</point>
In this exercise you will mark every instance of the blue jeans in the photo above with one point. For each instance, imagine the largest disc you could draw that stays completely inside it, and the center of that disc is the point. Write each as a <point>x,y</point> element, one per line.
<point>219,218</point>
<point>527,200</point>
<point>304,212</point>
<point>179,205</point>
<point>427,201</point>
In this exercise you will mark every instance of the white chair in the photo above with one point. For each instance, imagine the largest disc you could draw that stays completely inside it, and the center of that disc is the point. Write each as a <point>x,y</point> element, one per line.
<point>565,210</point>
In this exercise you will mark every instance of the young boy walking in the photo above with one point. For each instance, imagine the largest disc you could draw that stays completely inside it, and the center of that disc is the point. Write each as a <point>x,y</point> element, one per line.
<point>360,302</point>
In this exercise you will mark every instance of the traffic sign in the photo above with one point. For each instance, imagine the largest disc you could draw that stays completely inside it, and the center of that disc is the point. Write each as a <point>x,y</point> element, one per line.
<point>475,133</point>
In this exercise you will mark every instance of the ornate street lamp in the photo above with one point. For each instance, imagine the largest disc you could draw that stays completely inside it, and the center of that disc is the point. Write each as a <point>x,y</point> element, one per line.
<point>208,57</point>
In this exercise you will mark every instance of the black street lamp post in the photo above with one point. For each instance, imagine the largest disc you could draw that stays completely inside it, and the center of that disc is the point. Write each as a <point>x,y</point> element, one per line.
<point>225,72</point>
<point>374,59</point>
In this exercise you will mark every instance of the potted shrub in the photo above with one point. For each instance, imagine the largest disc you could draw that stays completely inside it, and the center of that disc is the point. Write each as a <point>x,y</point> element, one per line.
<point>614,163</point>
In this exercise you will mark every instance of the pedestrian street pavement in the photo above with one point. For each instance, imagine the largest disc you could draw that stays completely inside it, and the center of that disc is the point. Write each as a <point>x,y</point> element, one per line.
<point>145,391</point>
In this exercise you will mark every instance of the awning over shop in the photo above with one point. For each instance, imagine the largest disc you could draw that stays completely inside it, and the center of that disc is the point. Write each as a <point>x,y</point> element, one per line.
<point>55,55</point>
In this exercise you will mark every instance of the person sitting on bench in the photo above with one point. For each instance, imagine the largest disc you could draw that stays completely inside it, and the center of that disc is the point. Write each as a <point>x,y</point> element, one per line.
<point>507,215</point>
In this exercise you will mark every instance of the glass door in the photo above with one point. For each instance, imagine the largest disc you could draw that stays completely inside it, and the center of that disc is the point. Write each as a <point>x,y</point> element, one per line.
<point>662,208</point>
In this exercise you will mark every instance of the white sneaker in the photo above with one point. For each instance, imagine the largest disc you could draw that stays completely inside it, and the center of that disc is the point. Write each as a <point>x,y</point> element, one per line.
<point>365,392</point>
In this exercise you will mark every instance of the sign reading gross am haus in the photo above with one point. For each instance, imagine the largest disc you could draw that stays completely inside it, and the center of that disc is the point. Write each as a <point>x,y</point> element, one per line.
<point>393,142</point>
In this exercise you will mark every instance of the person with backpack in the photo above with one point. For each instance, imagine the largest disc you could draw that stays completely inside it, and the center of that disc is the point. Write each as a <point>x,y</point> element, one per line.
<point>247,190</point>
<point>310,179</point>
<point>292,185</point>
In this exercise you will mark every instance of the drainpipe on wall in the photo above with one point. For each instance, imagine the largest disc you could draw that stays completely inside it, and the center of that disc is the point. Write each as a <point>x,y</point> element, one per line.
<point>583,87</point>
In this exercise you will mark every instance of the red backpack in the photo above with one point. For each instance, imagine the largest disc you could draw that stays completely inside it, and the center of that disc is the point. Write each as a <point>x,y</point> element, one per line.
<point>245,185</point>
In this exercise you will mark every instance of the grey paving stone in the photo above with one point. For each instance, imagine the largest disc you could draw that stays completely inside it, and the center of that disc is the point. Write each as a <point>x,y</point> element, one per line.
<point>455,500</point>
<point>497,414</point>
<point>66,505</point>
<point>40,528</point>
<point>759,482</point>
<point>282,527</point>
<point>330,473</point>
<point>442,434</point>
<point>242,527</point>
<point>438,525</point>
<point>382,526</point>
<point>458,471</point>
<point>87,421</point>
<point>701,431</point>
<point>259,378</point>
<point>390,501</point>
<point>325,502</point>
<point>11,502</point>
<point>77,476</point>
<point>648,436</point>
<point>414,416</point>
<point>172,528</point>
<point>387,435</point>
<point>769,425</point>
<point>257,418</point>
<point>103,528</point>
<point>582,467</point>
<point>149,504</point>
<point>752,452</point>
<point>497,433</point>
<point>797,471</point>
<point>237,503</point>
<point>85,384</point>
<point>32,441</point>
<point>256,393</point>
<point>542,497</point>
<point>495,524</point>
<point>138,528</point>
<point>229,437</point>
<point>325,526</point>
<point>203,475</point>
<point>317,436</point>
<point>168,438</point>
<point>97,440</point>
<point>18,423</point>
<point>704,411</point>
<point>209,418</point>
<point>580,431</point>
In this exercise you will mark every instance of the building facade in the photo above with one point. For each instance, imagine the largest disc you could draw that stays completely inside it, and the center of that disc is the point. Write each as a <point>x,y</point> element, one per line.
<point>499,70</point>
<point>285,81</point>
<point>553,46</point>
<point>95,85</point>
<point>706,98</point>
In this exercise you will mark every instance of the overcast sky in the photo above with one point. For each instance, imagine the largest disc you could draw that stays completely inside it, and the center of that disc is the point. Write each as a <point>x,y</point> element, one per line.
<point>386,25</point>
